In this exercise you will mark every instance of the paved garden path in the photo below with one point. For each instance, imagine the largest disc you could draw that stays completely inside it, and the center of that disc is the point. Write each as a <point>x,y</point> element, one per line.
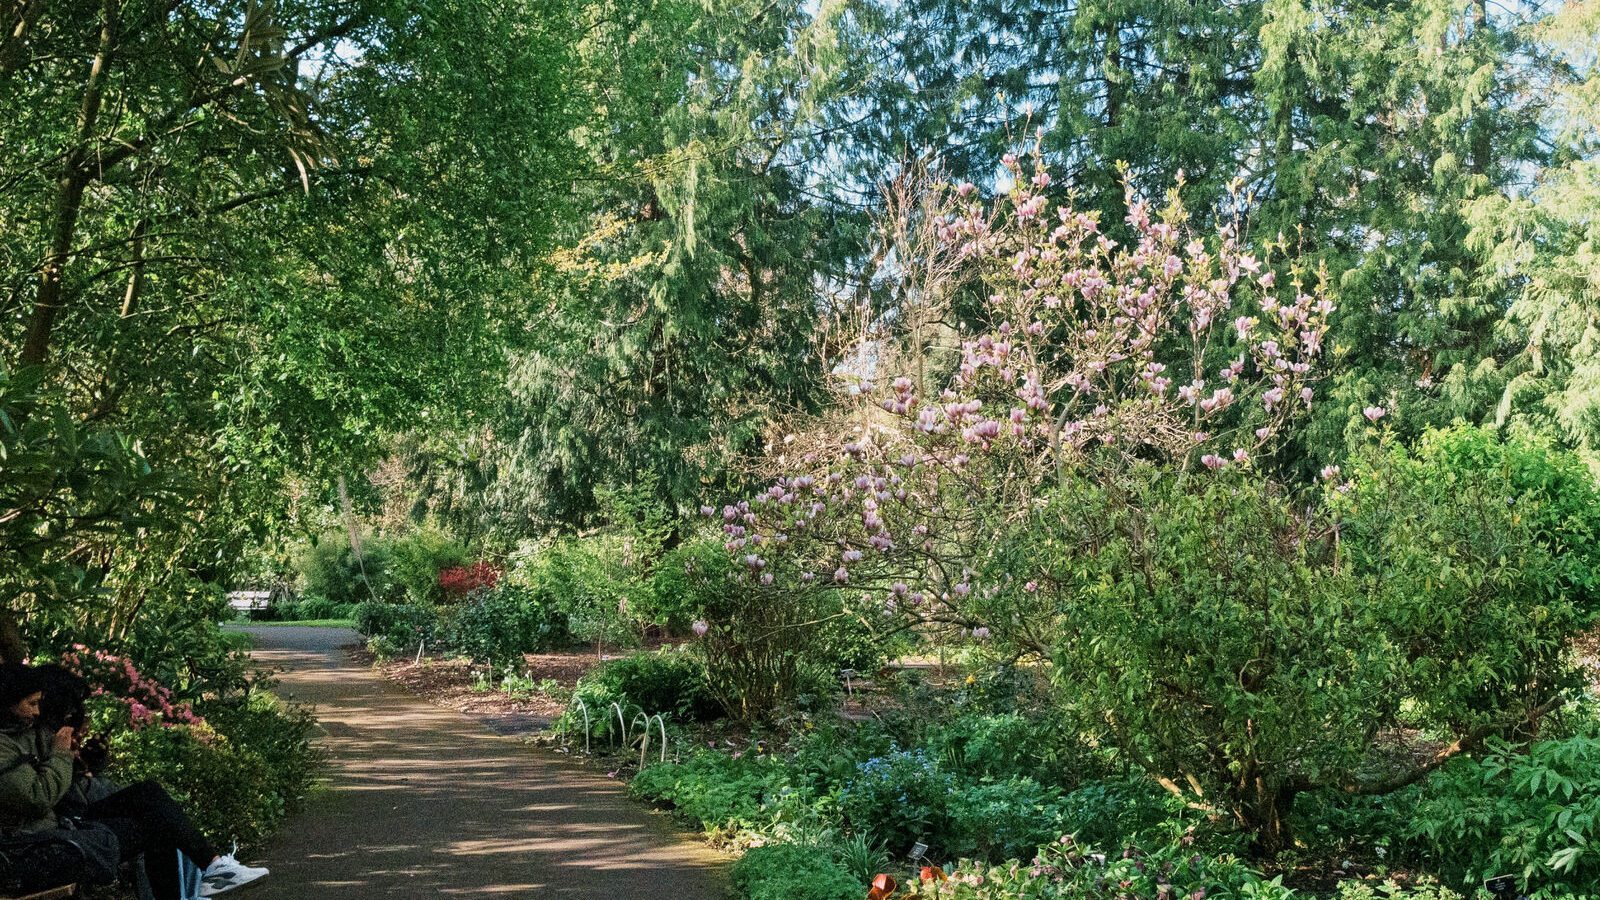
<point>424,802</point>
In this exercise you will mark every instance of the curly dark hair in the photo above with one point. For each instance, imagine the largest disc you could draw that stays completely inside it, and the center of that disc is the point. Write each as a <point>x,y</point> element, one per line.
<point>65,693</point>
<point>18,682</point>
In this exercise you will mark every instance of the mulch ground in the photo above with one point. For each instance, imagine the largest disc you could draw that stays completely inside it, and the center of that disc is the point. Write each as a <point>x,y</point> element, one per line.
<point>452,683</point>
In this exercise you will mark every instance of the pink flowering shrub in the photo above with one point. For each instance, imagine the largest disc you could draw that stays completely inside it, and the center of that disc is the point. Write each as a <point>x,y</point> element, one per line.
<point>1171,346</point>
<point>239,770</point>
<point>121,697</point>
<point>239,775</point>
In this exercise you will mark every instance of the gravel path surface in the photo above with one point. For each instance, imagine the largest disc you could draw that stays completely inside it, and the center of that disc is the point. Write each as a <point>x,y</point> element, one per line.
<point>424,802</point>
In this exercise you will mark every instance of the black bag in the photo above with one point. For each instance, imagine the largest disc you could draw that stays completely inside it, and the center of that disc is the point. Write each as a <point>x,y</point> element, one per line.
<point>76,853</point>
<point>37,862</point>
<point>102,850</point>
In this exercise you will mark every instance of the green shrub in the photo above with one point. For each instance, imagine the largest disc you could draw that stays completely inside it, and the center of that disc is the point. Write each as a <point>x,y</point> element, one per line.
<point>402,568</point>
<point>1534,814</point>
<point>1121,811</point>
<point>846,642</point>
<point>415,560</point>
<point>1223,626</point>
<point>677,593</point>
<point>498,625</point>
<point>401,624</point>
<point>792,872</point>
<point>383,649</point>
<point>238,776</point>
<point>330,571</point>
<point>1013,744</point>
<point>1002,819</point>
<point>319,608</point>
<point>829,756</point>
<point>666,681</point>
<point>224,786</point>
<point>715,790</point>
<point>596,581</point>
<point>1336,825</point>
<point>312,609</point>
<point>278,734</point>
<point>1553,493</point>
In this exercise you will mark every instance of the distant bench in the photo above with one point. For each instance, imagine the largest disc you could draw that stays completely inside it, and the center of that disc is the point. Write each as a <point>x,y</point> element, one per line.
<point>248,601</point>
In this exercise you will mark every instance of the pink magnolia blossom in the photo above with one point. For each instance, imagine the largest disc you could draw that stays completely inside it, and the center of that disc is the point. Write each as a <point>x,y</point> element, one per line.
<point>1093,351</point>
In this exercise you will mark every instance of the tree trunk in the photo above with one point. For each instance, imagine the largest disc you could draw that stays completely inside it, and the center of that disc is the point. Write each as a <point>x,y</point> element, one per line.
<point>47,302</point>
<point>21,17</point>
<point>1111,72</point>
<point>13,649</point>
<point>76,173</point>
<point>1264,810</point>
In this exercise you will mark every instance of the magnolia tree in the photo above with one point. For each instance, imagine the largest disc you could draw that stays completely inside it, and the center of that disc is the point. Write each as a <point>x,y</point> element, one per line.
<point>1166,345</point>
<point>1079,475</point>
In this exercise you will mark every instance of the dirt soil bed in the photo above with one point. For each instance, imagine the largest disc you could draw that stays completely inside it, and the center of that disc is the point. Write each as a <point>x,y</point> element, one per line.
<point>450,683</point>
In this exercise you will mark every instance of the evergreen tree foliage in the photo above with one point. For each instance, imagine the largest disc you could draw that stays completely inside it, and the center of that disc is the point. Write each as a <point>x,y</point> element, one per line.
<point>680,315</point>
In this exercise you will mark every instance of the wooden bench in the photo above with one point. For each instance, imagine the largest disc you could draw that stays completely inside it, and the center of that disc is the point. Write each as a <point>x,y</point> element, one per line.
<point>249,601</point>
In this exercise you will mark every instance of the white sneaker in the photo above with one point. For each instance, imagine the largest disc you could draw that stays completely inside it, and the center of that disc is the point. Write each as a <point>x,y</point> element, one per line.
<point>226,873</point>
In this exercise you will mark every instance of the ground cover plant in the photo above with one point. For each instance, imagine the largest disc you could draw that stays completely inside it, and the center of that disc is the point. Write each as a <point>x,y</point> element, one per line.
<point>1530,811</point>
<point>841,792</point>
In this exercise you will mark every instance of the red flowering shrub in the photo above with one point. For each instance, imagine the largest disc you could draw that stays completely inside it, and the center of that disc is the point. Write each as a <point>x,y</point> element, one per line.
<point>459,581</point>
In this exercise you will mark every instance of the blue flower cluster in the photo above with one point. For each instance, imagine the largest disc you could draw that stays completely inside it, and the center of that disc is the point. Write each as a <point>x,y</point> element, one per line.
<point>901,796</point>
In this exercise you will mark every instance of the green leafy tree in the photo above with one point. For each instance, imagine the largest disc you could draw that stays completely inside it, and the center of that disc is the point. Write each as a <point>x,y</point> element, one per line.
<point>62,483</point>
<point>255,237</point>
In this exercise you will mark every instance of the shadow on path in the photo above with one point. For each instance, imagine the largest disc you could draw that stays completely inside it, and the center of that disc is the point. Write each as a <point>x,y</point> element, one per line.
<point>424,802</point>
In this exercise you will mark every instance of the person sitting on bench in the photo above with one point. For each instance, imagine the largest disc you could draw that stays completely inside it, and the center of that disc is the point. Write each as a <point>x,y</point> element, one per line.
<point>36,774</point>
